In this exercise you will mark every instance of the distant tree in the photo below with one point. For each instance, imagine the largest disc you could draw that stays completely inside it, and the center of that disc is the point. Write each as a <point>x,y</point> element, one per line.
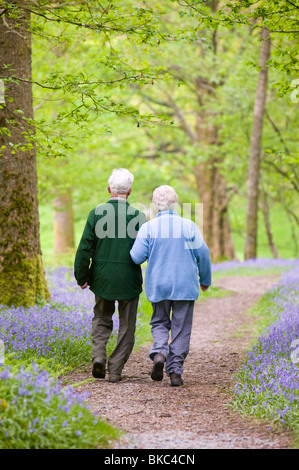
<point>255,150</point>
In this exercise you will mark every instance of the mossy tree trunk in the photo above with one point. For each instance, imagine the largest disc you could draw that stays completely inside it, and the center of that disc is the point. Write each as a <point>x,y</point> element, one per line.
<point>22,279</point>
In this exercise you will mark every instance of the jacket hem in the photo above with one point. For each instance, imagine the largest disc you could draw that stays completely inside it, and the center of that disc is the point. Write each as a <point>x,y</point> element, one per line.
<point>115,297</point>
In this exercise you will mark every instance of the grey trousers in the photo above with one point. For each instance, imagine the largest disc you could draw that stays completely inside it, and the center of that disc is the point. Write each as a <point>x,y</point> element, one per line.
<point>179,324</point>
<point>102,325</point>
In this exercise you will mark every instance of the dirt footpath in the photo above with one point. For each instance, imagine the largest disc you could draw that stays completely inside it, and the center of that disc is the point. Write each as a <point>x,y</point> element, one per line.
<point>155,415</point>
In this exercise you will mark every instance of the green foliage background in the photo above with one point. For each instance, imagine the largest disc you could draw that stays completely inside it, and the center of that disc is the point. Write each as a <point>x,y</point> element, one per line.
<point>121,84</point>
<point>102,106</point>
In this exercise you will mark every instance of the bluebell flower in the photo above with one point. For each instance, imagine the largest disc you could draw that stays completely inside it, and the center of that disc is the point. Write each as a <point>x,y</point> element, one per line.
<point>269,371</point>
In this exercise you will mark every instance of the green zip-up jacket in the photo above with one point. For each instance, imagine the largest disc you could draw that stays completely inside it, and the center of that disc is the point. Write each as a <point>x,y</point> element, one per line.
<point>103,255</point>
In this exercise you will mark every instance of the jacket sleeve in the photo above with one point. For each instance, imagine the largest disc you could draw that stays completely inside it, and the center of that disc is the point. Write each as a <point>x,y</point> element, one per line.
<point>204,265</point>
<point>85,251</point>
<point>140,250</point>
<point>203,259</point>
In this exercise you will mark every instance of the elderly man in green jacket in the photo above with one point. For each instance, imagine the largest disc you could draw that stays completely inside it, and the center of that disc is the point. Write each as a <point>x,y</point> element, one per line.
<point>103,262</point>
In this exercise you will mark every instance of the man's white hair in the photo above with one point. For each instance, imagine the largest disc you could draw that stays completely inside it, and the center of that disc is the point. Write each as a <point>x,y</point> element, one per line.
<point>120,181</point>
<point>165,198</point>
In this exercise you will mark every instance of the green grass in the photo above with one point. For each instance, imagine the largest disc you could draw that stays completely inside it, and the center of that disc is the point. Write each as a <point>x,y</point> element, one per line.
<point>213,292</point>
<point>262,313</point>
<point>249,271</point>
<point>143,332</point>
<point>259,317</point>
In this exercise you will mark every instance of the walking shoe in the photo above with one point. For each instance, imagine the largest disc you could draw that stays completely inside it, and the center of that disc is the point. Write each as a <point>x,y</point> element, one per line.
<point>157,370</point>
<point>115,378</point>
<point>175,380</point>
<point>98,369</point>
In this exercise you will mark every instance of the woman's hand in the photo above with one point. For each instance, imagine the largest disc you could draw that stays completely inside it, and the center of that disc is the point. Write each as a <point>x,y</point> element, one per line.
<point>204,288</point>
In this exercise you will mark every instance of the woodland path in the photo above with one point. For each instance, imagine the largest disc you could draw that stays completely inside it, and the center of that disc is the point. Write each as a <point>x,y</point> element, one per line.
<point>154,415</point>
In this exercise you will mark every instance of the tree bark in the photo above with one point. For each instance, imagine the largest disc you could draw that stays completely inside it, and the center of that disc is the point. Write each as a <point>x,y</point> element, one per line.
<point>22,279</point>
<point>255,151</point>
<point>212,192</point>
<point>216,225</point>
<point>63,224</point>
<point>266,215</point>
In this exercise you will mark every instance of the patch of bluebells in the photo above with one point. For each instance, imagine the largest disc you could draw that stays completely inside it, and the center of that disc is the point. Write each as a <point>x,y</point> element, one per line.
<point>29,382</point>
<point>268,383</point>
<point>259,264</point>
<point>52,329</point>
<point>41,329</point>
<point>37,412</point>
<point>64,290</point>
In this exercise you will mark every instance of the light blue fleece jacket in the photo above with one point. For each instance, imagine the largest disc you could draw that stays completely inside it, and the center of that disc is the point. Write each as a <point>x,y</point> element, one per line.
<point>178,258</point>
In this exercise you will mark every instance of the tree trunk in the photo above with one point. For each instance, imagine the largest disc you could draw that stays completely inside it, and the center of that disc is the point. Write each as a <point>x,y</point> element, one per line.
<point>266,215</point>
<point>293,231</point>
<point>216,226</point>
<point>63,224</point>
<point>255,151</point>
<point>212,192</point>
<point>22,279</point>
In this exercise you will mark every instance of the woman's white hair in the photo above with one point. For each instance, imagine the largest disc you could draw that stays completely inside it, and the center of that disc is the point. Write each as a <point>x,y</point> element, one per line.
<point>120,181</point>
<point>165,198</point>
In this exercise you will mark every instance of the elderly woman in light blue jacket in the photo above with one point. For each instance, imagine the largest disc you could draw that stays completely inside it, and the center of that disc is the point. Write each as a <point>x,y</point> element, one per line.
<point>178,263</point>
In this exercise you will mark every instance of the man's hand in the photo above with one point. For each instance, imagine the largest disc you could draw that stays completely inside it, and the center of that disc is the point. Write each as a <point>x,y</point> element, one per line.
<point>204,288</point>
<point>84,286</point>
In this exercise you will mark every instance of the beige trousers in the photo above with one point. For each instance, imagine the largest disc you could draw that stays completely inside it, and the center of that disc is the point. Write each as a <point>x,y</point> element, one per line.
<point>102,326</point>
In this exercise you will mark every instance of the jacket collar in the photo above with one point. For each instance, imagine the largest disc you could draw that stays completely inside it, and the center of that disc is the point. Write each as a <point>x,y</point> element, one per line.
<point>118,199</point>
<point>166,212</point>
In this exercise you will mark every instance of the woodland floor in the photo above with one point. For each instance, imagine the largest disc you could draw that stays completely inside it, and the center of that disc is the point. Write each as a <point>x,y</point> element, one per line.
<point>154,415</point>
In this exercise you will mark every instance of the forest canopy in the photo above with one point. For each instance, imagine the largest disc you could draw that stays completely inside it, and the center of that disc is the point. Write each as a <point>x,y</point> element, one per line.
<point>200,95</point>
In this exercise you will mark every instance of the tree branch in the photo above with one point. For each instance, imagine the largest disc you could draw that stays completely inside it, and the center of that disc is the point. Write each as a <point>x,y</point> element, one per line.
<point>283,173</point>
<point>278,132</point>
<point>296,6</point>
<point>67,4</point>
<point>155,100</point>
<point>39,105</point>
<point>230,193</point>
<point>183,122</point>
<point>94,27</point>
<point>99,82</point>
<point>296,218</point>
